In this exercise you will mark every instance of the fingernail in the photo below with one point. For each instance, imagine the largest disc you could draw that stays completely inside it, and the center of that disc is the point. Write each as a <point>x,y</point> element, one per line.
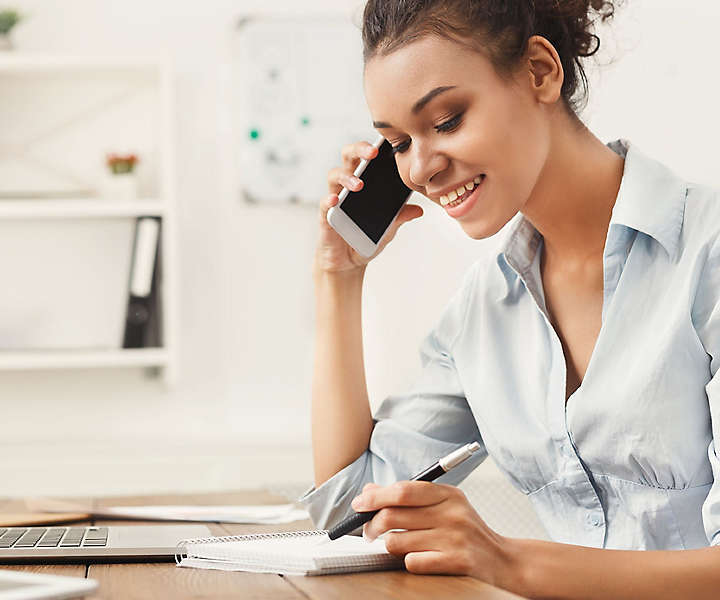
<point>358,502</point>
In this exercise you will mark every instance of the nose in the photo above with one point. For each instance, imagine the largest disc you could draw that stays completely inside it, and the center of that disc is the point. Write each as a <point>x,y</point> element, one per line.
<point>425,163</point>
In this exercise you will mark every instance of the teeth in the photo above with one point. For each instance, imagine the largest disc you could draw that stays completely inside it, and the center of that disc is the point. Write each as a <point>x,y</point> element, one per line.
<point>456,194</point>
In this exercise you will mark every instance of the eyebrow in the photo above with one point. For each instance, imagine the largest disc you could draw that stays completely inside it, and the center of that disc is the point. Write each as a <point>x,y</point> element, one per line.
<point>419,105</point>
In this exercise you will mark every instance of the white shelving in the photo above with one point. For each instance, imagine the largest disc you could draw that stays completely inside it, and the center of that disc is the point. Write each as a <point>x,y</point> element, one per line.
<point>152,76</point>
<point>71,359</point>
<point>62,208</point>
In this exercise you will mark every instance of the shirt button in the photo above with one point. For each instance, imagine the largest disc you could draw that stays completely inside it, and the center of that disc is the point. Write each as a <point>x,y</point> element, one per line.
<point>594,520</point>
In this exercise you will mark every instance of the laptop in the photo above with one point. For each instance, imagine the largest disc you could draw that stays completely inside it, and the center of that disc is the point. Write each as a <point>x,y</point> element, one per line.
<point>147,543</point>
<point>37,586</point>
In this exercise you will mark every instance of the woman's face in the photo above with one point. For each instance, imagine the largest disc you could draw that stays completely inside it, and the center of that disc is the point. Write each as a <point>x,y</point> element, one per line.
<point>453,122</point>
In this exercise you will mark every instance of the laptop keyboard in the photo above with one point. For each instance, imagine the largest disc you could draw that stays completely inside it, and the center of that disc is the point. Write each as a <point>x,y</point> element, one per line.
<point>52,537</point>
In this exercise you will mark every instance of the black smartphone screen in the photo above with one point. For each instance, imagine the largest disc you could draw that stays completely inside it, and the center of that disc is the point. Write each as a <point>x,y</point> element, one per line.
<point>374,207</point>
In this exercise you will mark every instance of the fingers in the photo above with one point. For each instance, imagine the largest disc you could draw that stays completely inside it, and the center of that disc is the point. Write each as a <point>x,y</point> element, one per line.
<point>401,543</point>
<point>339,178</point>
<point>401,517</point>
<point>407,213</point>
<point>352,154</point>
<point>428,563</point>
<point>370,486</point>
<point>325,205</point>
<point>402,493</point>
<point>424,553</point>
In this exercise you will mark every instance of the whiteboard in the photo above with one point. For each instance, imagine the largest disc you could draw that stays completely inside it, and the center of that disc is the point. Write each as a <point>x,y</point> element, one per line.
<point>297,99</point>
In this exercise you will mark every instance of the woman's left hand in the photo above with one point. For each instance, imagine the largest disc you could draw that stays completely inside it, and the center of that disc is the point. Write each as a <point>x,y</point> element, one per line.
<point>445,535</point>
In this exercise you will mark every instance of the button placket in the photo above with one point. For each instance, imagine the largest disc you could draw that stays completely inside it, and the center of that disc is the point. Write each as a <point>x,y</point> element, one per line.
<point>574,482</point>
<point>574,477</point>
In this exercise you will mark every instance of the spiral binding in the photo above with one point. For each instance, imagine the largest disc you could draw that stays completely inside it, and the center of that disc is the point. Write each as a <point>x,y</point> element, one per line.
<point>180,548</point>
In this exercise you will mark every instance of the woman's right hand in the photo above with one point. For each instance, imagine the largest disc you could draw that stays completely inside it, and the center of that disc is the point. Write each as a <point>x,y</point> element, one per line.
<point>333,253</point>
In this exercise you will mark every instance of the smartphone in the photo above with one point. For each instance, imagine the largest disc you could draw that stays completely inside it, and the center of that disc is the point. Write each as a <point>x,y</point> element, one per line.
<point>363,217</point>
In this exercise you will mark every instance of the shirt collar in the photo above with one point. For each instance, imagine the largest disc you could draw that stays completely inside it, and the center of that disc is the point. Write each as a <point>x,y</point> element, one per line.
<point>651,200</point>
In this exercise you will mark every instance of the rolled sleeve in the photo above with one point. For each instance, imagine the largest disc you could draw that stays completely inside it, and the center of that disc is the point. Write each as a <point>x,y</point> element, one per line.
<point>711,505</point>
<point>411,430</point>
<point>706,317</point>
<point>330,503</point>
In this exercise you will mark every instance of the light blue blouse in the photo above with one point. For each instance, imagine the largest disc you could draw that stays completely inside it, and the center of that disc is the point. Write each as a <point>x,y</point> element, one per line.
<point>630,461</point>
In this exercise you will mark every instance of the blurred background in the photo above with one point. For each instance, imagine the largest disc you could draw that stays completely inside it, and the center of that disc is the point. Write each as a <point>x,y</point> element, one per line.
<point>163,160</point>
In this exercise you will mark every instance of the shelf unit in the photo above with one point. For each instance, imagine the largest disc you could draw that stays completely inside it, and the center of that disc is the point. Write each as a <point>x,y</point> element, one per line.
<point>68,208</point>
<point>160,361</point>
<point>70,359</point>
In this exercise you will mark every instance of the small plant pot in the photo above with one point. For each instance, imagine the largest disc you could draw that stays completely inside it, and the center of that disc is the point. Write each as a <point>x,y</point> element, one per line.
<point>5,42</point>
<point>120,187</point>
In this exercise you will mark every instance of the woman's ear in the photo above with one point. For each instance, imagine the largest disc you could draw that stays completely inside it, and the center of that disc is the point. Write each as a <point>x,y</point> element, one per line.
<point>545,70</point>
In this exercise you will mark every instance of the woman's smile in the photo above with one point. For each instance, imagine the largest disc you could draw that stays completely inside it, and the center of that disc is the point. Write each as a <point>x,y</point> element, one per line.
<point>464,203</point>
<point>448,131</point>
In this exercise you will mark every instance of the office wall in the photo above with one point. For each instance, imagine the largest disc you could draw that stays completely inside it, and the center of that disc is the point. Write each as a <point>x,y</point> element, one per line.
<point>239,413</point>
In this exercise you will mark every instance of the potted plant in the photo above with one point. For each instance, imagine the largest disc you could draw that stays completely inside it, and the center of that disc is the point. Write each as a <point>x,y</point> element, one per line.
<point>8,20</point>
<point>121,183</point>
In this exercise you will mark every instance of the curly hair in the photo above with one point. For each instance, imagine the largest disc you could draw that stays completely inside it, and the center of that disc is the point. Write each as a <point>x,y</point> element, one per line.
<point>500,28</point>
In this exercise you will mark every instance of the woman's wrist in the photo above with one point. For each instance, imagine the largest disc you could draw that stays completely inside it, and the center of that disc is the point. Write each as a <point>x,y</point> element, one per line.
<point>338,276</point>
<point>517,569</point>
<point>338,295</point>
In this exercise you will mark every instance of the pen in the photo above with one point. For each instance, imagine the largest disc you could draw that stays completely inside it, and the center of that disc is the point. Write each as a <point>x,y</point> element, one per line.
<point>434,471</point>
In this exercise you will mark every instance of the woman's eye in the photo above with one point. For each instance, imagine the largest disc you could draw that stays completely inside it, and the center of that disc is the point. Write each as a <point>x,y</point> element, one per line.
<point>446,127</point>
<point>400,147</point>
<point>449,125</point>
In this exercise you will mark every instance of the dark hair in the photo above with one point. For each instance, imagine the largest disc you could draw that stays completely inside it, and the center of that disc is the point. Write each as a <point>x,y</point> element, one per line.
<point>500,28</point>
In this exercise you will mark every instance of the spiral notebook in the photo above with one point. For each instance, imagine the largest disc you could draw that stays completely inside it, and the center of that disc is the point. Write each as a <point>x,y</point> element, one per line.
<point>290,553</point>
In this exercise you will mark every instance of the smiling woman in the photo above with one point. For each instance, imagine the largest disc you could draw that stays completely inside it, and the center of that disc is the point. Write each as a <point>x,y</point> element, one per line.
<point>581,353</point>
<point>524,58</point>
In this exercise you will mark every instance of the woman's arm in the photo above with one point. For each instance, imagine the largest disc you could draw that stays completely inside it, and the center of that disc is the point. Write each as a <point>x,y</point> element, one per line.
<point>445,535</point>
<point>341,419</point>
<point>551,570</point>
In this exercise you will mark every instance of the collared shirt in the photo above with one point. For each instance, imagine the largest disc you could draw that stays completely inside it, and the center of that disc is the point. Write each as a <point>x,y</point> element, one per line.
<point>629,461</point>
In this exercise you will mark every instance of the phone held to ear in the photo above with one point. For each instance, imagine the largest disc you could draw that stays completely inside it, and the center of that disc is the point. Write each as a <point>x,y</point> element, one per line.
<point>362,218</point>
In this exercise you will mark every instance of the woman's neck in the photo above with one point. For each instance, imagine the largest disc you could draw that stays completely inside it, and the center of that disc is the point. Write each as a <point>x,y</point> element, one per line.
<point>573,200</point>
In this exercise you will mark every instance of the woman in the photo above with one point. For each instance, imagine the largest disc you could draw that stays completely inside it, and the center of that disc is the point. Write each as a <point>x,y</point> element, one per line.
<point>581,354</point>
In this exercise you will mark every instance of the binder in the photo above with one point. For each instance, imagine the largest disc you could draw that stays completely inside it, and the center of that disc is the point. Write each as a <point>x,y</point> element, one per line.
<point>142,318</point>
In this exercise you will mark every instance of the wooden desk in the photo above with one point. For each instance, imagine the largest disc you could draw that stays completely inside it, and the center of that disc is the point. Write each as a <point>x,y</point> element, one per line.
<point>164,580</point>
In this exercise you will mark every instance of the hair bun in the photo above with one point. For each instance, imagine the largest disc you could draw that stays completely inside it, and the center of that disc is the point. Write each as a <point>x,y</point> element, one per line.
<point>499,27</point>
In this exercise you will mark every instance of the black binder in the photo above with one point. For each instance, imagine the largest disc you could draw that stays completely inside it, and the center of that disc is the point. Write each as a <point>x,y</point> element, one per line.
<point>142,322</point>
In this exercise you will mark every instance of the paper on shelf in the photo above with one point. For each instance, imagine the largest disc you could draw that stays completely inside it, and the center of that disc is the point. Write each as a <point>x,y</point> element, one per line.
<point>27,519</point>
<point>263,514</point>
<point>269,514</point>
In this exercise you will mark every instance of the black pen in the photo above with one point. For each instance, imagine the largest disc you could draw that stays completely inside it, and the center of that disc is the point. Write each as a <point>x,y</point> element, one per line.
<point>441,467</point>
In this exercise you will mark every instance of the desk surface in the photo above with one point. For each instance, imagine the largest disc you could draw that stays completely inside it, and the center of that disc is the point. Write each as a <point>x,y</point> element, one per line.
<point>165,580</point>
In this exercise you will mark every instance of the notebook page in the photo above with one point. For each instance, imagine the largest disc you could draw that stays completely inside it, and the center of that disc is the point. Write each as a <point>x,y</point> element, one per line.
<point>291,555</point>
